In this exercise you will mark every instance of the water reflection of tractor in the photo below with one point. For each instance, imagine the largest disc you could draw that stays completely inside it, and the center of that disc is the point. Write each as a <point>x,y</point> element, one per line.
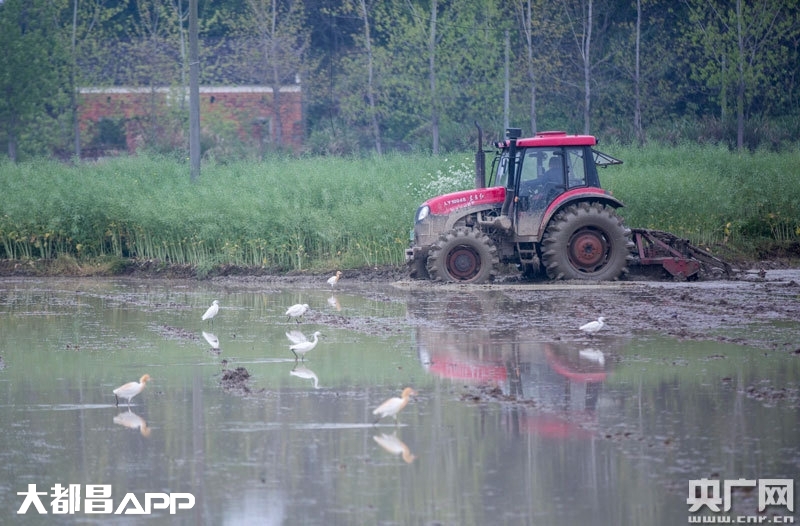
<point>542,209</point>
<point>558,376</point>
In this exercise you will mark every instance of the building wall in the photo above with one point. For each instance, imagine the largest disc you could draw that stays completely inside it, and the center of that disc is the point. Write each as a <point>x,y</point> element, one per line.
<point>246,111</point>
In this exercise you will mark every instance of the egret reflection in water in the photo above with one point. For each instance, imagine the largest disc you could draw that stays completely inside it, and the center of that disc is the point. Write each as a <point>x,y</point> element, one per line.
<point>593,355</point>
<point>131,420</point>
<point>395,446</point>
<point>301,371</point>
<point>212,340</point>
<point>333,302</point>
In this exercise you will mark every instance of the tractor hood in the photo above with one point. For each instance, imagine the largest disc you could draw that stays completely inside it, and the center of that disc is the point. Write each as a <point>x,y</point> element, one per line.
<point>447,203</point>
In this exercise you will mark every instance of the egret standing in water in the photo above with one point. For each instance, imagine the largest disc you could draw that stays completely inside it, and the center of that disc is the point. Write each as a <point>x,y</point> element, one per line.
<point>303,347</point>
<point>131,389</point>
<point>296,311</point>
<point>593,326</point>
<point>211,312</point>
<point>333,280</point>
<point>393,405</point>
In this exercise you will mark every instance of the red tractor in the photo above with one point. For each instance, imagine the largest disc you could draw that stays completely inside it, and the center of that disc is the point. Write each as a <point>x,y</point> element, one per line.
<point>542,209</point>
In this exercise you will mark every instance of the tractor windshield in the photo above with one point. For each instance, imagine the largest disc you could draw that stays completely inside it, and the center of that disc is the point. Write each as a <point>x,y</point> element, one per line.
<point>499,174</point>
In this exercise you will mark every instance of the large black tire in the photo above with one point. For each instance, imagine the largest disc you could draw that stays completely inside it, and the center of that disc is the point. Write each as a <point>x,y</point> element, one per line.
<point>463,255</point>
<point>586,241</point>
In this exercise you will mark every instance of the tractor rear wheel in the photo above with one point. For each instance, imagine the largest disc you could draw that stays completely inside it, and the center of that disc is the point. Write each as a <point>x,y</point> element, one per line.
<point>586,241</point>
<point>463,255</point>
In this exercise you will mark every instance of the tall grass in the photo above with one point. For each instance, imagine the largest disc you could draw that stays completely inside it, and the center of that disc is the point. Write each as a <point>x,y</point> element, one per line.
<point>708,194</point>
<point>280,214</point>
<point>327,212</point>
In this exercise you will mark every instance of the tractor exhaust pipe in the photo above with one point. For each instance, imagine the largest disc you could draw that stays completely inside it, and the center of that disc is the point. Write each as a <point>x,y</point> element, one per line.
<point>512,134</point>
<point>480,160</point>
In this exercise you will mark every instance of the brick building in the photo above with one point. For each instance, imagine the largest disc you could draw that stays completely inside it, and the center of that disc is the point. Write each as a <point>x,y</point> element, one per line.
<point>122,117</point>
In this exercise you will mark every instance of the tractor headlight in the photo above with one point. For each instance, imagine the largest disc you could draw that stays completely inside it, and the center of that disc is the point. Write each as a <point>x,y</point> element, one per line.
<point>422,213</point>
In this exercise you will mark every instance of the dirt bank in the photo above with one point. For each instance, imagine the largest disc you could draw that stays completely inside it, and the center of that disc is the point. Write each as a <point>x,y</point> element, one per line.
<point>760,307</point>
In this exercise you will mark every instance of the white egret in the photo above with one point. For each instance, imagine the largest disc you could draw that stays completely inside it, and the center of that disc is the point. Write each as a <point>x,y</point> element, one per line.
<point>593,326</point>
<point>296,311</point>
<point>211,312</point>
<point>131,389</point>
<point>393,405</point>
<point>333,280</point>
<point>303,347</point>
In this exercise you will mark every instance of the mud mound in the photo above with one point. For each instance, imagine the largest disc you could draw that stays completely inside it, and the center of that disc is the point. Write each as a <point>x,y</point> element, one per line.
<point>235,380</point>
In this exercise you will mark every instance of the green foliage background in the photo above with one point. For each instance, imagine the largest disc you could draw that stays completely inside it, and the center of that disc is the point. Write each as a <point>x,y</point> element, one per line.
<point>698,70</point>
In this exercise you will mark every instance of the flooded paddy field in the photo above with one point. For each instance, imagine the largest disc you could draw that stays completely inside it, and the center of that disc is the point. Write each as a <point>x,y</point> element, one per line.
<point>519,417</point>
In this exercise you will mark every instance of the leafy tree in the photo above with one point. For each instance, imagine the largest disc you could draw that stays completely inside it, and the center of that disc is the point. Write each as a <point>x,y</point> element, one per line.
<point>278,48</point>
<point>81,25</point>
<point>743,47</point>
<point>29,68</point>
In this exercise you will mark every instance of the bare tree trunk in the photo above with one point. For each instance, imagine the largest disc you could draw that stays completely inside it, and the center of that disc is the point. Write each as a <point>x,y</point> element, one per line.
<point>276,79</point>
<point>587,71</point>
<point>432,78</point>
<point>76,128</point>
<point>740,80</point>
<point>176,4</point>
<point>528,27</point>
<point>11,133</point>
<point>194,93</point>
<point>376,131</point>
<point>506,82</point>
<point>637,79</point>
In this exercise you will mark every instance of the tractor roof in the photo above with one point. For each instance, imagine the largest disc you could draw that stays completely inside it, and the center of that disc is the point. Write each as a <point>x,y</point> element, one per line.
<point>555,138</point>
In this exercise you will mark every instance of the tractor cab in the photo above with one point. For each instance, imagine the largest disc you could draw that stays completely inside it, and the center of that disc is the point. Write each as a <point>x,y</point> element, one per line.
<point>545,167</point>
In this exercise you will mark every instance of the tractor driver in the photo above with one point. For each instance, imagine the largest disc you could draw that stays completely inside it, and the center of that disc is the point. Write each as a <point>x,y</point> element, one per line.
<point>546,181</point>
<point>555,172</point>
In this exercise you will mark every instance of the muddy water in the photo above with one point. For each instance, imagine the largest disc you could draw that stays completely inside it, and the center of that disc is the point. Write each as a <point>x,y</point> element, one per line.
<point>510,425</point>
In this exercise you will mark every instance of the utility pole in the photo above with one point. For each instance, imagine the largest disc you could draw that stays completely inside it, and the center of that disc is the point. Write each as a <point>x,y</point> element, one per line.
<point>194,94</point>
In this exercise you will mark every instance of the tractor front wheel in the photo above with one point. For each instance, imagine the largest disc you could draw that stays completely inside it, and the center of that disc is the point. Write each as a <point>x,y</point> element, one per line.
<point>463,255</point>
<point>586,241</point>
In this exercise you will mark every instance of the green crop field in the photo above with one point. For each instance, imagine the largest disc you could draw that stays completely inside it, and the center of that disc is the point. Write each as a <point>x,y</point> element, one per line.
<point>328,212</point>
